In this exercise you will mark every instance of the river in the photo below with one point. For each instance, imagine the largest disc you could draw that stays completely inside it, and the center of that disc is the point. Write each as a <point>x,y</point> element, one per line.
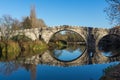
<point>67,63</point>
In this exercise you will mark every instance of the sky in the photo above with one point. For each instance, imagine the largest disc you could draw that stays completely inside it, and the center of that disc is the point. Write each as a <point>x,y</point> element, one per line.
<point>88,13</point>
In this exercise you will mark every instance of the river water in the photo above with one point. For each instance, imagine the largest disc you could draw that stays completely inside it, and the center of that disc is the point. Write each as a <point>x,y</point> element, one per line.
<point>33,68</point>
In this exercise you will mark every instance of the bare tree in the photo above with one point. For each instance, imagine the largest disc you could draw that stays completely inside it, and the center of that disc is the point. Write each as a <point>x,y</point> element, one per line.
<point>36,23</point>
<point>5,24</point>
<point>26,23</point>
<point>113,11</point>
<point>33,17</point>
<point>41,23</point>
<point>16,25</point>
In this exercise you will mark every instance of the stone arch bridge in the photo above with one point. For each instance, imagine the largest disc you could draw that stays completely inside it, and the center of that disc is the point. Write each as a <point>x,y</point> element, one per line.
<point>47,33</point>
<point>87,33</point>
<point>84,32</point>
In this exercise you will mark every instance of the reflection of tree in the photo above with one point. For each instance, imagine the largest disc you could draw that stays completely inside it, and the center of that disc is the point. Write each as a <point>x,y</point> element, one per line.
<point>57,53</point>
<point>32,69</point>
<point>9,67</point>
<point>72,48</point>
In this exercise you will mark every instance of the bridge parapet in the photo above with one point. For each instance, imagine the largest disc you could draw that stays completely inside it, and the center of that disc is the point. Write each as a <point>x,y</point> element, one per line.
<point>115,31</point>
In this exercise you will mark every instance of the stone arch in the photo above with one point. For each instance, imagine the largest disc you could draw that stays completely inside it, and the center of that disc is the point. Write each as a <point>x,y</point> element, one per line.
<point>108,35</point>
<point>107,42</point>
<point>99,52</point>
<point>47,34</point>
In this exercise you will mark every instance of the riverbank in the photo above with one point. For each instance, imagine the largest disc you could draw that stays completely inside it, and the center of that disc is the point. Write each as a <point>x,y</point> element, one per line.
<point>112,73</point>
<point>10,49</point>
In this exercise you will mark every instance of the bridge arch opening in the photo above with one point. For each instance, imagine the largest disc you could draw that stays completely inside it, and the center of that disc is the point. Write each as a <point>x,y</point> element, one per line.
<point>70,45</point>
<point>67,35</point>
<point>109,45</point>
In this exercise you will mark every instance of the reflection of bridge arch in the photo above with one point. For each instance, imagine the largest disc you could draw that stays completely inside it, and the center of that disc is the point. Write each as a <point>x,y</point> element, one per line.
<point>47,34</point>
<point>46,58</point>
<point>84,53</point>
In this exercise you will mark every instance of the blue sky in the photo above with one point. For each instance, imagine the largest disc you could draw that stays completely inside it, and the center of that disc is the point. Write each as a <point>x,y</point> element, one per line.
<point>87,13</point>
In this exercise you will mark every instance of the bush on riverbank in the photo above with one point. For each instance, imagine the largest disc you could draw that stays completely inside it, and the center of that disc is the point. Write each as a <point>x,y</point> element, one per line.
<point>22,38</point>
<point>57,44</point>
<point>33,47</point>
<point>39,46</point>
<point>10,50</point>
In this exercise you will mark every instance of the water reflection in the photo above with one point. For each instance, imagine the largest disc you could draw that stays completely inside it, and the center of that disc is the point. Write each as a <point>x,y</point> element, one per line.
<point>107,54</point>
<point>45,67</point>
<point>68,53</point>
<point>45,72</point>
